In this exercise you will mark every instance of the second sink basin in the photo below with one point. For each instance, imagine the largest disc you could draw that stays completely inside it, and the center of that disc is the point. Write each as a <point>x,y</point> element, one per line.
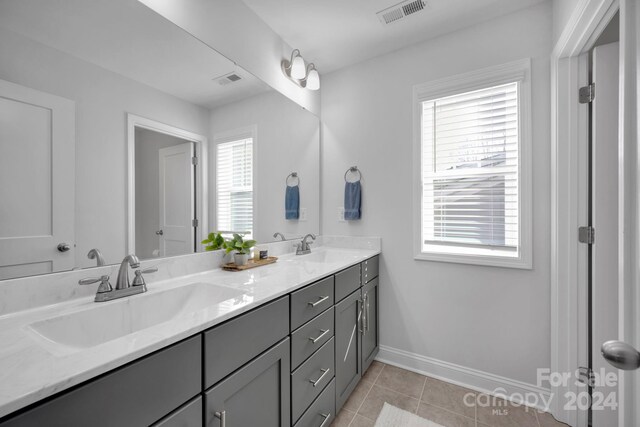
<point>104,322</point>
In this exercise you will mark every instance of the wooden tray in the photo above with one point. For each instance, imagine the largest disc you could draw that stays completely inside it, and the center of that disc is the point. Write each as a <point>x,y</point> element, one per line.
<point>251,264</point>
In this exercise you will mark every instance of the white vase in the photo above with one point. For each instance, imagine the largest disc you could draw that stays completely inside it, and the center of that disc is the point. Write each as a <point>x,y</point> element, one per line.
<point>241,259</point>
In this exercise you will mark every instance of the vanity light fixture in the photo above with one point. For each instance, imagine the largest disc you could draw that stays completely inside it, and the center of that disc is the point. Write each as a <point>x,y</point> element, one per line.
<point>295,68</point>
<point>312,80</point>
<point>301,74</point>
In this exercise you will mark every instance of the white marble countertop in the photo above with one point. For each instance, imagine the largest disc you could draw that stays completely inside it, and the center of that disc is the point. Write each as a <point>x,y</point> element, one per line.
<point>31,369</point>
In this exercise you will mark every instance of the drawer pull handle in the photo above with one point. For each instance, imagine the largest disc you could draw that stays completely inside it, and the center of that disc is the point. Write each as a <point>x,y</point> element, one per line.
<point>222,416</point>
<point>320,301</point>
<point>324,373</point>
<point>326,418</point>
<point>319,337</point>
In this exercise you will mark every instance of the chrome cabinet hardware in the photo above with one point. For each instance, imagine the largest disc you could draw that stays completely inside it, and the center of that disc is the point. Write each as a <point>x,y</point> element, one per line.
<point>621,355</point>
<point>324,373</point>
<point>368,312</point>
<point>63,247</point>
<point>159,233</point>
<point>222,416</point>
<point>361,316</point>
<point>319,337</point>
<point>105,286</point>
<point>320,301</point>
<point>326,418</point>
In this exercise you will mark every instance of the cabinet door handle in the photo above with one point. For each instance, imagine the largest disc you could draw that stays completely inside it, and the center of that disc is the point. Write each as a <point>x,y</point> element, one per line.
<point>360,316</point>
<point>326,418</point>
<point>367,317</point>
<point>319,337</point>
<point>222,416</point>
<point>320,301</point>
<point>324,373</point>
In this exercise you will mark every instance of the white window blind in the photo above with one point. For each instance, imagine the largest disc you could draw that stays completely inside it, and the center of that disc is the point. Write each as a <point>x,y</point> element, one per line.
<point>470,161</point>
<point>234,187</point>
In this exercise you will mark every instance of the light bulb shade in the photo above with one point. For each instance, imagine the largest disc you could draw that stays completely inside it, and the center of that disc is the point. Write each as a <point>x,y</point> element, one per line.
<point>313,80</point>
<point>298,68</point>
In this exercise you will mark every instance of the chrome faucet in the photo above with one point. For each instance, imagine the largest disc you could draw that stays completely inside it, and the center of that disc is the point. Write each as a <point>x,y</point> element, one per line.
<point>277,233</point>
<point>303,247</point>
<point>123,273</point>
<point>97,255</point>
<point>123,288</point>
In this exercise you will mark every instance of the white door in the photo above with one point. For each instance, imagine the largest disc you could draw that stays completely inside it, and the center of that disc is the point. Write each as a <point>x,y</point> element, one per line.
<point>177,202</point>
<point>604,218</point>
<point>37,181</point>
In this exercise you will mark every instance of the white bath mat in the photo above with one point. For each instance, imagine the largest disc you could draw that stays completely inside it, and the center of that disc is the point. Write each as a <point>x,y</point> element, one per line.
<point>390,416</point>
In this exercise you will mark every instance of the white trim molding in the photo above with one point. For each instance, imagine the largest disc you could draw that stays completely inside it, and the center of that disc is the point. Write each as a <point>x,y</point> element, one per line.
<point>516,71</point>
<point>569,126</point>
<point>202,171</point>
<point>483,382</point>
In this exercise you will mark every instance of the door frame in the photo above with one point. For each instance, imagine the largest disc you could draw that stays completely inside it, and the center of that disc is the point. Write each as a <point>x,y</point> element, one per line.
<point>569,202</point>
<point>201,179</point>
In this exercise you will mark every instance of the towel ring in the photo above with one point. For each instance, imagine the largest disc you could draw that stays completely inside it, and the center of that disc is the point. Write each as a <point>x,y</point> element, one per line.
<point>292,175</point>
<point>353,169</point>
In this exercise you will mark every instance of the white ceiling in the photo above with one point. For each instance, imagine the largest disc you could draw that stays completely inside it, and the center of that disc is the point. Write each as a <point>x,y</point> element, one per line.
<point>337,33</point>
<point>126,37</point>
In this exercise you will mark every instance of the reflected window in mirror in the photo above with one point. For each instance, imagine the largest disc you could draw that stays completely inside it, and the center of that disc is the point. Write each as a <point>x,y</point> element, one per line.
<point>234,187</point>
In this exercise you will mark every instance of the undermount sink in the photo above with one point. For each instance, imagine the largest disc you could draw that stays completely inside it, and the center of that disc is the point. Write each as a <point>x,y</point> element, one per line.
<point>104,322</point>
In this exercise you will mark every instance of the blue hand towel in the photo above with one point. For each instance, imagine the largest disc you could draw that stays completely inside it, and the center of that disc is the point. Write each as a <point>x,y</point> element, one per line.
<point>292,202</point>
<point>352,199</point>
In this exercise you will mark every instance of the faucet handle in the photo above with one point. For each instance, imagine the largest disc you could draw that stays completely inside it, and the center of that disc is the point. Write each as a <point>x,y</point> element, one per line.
<point>138,280</point>
<point>105,286</point>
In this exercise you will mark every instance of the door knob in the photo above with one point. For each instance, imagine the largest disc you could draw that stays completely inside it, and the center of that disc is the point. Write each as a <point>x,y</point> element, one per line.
<point>159,232</point>
<point>621,355</point>
<point>63,247</point>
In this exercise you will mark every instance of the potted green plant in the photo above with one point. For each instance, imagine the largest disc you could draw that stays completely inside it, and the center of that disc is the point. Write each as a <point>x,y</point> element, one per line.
<point>241,248</point>
<point>213,242</point>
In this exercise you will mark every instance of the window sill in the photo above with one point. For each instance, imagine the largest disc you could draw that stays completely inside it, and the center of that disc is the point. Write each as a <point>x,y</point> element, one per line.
<point>499,260</point>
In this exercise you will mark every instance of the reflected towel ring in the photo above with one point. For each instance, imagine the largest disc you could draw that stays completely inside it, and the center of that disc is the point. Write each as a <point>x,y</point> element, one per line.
<point>353,169</point>
<point>292,175</point>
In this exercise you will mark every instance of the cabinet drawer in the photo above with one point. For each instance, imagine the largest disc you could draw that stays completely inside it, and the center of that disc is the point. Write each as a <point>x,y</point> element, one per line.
<point>231,345</point>
<point>308,302</point>
<point>310,337</point>
<point>310,379</point>
<point>322,412</point>
<point>370,269</point>
<point>347,281</point>
<point>189,415</point>
<point>138,394</point>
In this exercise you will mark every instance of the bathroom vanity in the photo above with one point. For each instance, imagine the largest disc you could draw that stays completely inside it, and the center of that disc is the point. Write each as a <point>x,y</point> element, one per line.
<point>290,357</point>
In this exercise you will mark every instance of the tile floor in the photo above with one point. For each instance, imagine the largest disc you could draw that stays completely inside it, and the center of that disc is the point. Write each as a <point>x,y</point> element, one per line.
<point>435,400</point>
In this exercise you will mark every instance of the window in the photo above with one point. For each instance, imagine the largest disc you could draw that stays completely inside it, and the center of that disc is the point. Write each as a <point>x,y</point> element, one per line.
<point>234,187</point>
<point>472,139</point>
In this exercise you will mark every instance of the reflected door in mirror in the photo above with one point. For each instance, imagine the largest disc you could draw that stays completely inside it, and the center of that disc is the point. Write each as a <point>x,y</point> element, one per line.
<point>37,169</point>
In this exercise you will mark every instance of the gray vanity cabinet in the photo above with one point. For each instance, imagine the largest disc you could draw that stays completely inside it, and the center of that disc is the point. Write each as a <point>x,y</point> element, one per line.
<point>258,394</point>
<point>348,346</point>
<point>189,415</point>
<point>370,336</point>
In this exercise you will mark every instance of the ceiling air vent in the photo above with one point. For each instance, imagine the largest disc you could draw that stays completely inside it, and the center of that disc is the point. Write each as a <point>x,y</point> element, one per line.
<point>227,79</point>
<point>401,10</point>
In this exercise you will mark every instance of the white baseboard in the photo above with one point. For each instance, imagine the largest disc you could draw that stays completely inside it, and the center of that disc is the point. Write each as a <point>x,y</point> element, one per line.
<point>473,379</point>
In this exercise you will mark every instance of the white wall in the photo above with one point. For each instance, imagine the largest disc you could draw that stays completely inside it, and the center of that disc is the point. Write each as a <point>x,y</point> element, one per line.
<point>490,319</point>
<point>234,30</point>
<point>102,100</point>
<point>562,11</point>
<point>147,151</point>
<point>288,140</point>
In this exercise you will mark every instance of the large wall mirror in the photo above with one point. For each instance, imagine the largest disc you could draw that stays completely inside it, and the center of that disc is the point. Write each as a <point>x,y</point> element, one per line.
<point>121,133</point>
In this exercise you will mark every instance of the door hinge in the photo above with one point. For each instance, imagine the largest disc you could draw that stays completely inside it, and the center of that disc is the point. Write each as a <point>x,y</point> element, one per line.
<point>585,376</point>
<point>587,93</point>
<point>587,235</point>
<point>194,222</point>
<point>194,160</point>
